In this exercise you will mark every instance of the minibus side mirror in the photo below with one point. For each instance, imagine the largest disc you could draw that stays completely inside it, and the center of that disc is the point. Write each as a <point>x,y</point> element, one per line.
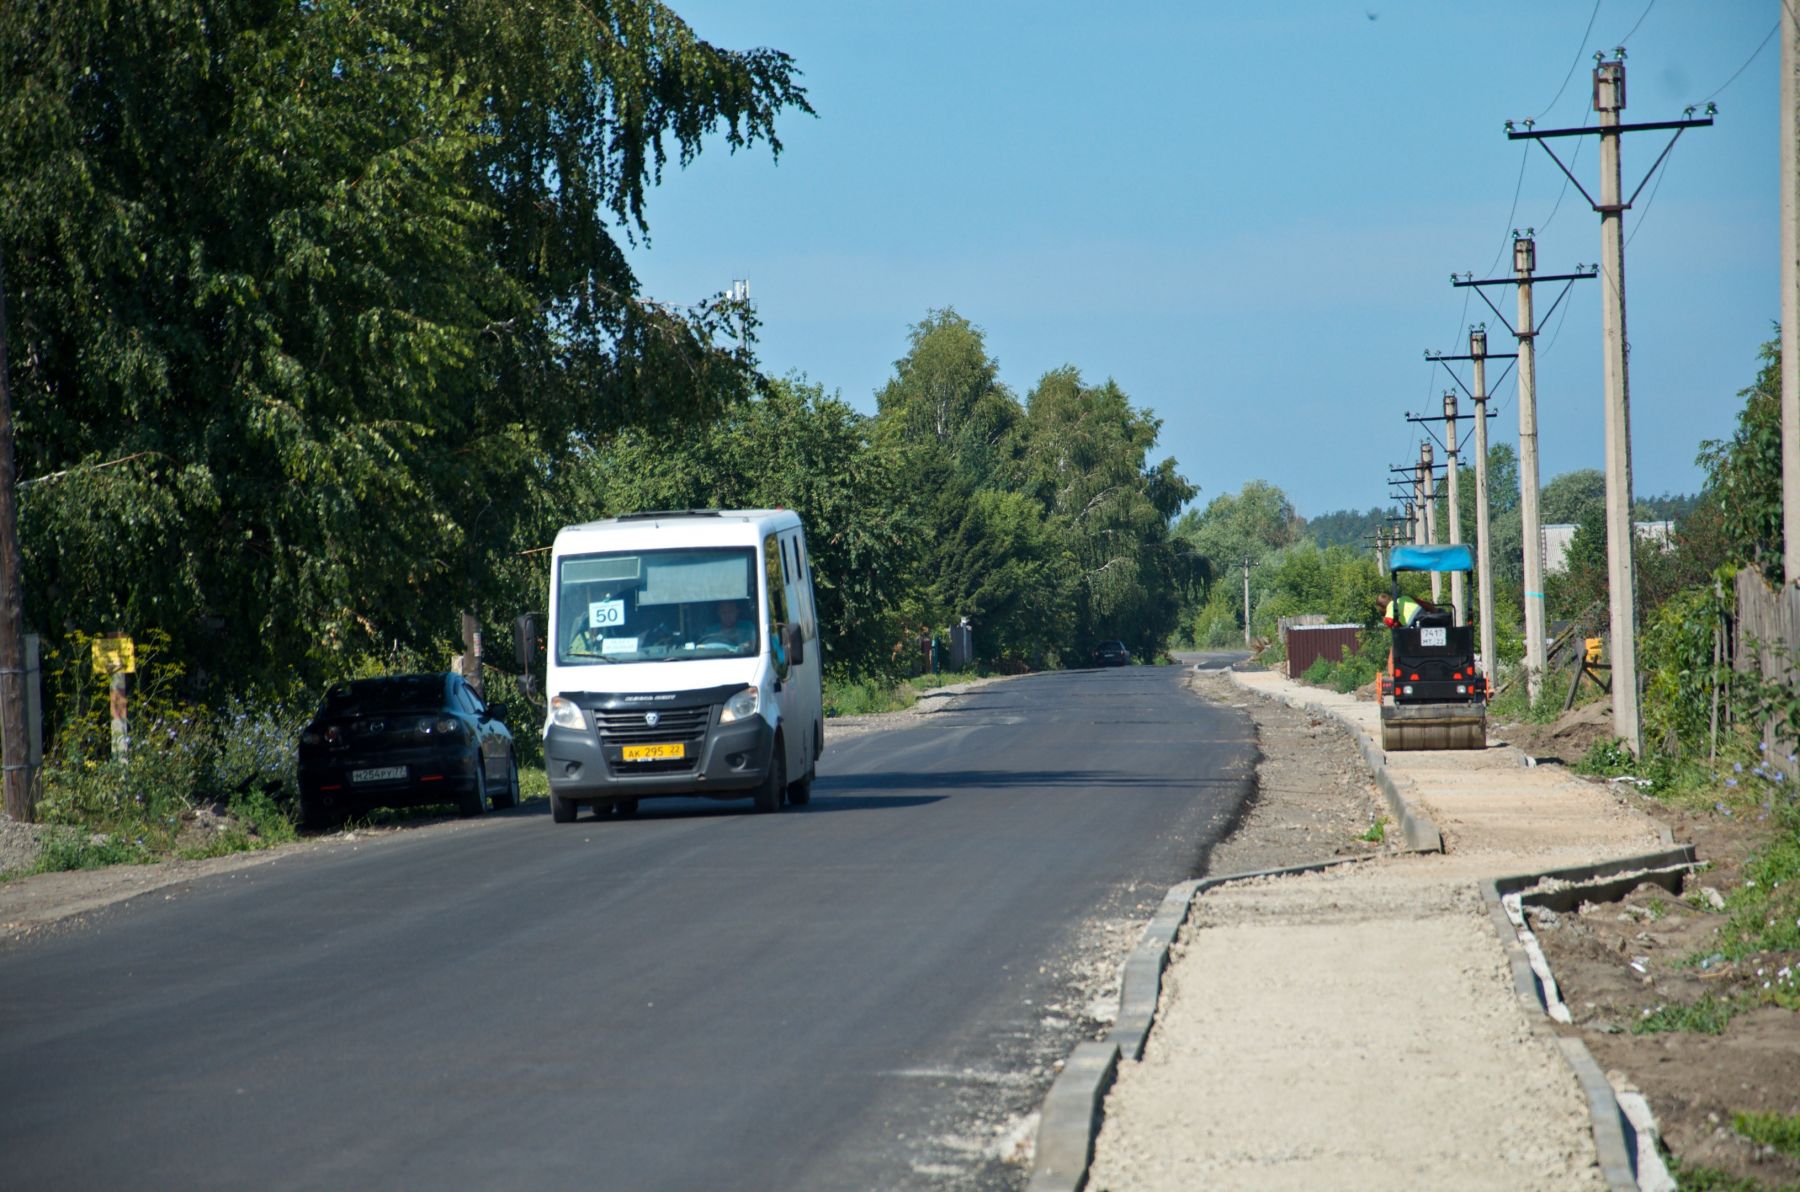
<point>793,644</point>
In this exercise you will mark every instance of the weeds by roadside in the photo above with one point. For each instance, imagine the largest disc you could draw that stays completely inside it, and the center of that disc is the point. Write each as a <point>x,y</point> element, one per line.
<point>859,697</point>
<point>1351,670</point>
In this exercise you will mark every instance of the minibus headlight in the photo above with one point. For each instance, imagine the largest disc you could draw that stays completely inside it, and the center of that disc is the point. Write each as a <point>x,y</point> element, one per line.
<point>741,706</point>
<point>564,714</point>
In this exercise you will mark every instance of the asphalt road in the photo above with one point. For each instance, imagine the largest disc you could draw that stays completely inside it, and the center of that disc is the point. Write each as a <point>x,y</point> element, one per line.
<point>855,994</point>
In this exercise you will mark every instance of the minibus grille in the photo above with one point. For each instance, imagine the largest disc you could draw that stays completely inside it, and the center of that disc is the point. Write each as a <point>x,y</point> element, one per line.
<point>672,724</point>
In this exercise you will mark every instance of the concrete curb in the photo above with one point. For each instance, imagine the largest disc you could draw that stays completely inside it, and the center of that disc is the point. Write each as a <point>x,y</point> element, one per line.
<point>1070,1119</point>
<point>1617,1138</point>
<point>1420,834</point>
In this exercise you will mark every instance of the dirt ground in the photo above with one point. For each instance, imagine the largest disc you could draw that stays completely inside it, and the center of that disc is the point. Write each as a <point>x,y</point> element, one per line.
<point>1568,739</point>
<point>1314,798</point>
<point>1618,963</point>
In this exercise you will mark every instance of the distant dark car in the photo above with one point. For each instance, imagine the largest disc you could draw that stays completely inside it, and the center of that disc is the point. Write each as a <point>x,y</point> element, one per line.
<point>1112,654</point>
<point>402,741</point>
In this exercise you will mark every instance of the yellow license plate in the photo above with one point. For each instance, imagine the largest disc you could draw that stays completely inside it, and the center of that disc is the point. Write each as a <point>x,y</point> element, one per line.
<point>655,753</point>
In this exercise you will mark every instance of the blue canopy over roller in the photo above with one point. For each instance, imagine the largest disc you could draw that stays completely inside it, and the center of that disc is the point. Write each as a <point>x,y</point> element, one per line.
<point>1457,557</point>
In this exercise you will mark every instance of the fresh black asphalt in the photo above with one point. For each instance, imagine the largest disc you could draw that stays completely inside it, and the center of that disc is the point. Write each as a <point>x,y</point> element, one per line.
<point>700,997</point>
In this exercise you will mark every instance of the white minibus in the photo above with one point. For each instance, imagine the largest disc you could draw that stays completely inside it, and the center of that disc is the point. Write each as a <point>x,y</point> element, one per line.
<point>683,660</point>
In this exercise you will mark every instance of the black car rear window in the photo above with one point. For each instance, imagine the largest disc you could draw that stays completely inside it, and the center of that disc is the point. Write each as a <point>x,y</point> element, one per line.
<point>385,695</point>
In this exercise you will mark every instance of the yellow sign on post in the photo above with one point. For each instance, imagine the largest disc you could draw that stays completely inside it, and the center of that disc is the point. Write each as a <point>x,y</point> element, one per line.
<point>114,655</point>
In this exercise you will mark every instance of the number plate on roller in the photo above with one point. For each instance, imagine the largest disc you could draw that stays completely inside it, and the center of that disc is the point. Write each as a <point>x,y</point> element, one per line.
<point>1434,637</point>
<point>674,751</point>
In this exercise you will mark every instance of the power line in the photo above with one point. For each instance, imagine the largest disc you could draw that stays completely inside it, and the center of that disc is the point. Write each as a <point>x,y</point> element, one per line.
<point>1577,62</point>
<point>1640,21</point>
<point>1561,319</point>
<point>1645,213</point>
<point>1573,158</point>
<point>1506,237</point>
<point>1754,55</point>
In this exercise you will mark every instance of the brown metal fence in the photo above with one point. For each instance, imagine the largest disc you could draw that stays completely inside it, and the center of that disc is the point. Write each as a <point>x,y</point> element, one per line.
<point>1764,643</point>
<point>1306,644</point>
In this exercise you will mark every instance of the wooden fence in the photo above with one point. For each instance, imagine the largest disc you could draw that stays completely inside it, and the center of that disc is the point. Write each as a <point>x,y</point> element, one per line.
<point>1766,641</point>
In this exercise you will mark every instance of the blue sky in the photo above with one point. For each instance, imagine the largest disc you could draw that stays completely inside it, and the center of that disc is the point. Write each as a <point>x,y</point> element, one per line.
<point>1246,214</point>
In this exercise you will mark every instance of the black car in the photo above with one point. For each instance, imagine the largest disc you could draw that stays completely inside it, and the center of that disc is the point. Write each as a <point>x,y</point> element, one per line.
<point>1112,653</point>
<point>402,741</point>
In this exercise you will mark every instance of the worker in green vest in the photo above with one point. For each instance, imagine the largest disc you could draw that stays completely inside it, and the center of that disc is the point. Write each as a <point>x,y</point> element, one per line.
<point>1403,611</point>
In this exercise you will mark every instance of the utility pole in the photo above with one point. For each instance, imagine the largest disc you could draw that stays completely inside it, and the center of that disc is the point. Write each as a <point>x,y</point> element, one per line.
<point>1246,600</point>
<point>15,752</point>
<point>1609,101</point>
<point>1484,571</point>
<point>1459,607</point>
<point>1530,524</point>
<point>1790,295</point>
<point>1431,529</point>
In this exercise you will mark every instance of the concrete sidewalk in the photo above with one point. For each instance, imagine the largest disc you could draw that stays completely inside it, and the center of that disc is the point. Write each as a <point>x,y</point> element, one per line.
<point>1359,1027</point>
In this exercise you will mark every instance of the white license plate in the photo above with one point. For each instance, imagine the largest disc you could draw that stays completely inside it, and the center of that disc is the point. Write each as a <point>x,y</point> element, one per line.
<point>1438,636</point>
<point>378,774</point>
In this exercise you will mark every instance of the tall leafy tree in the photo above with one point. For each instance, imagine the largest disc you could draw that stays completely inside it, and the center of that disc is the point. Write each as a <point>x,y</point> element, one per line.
<point>1086,459</point>
<point>1743,473</point>
<point>985,552</point>
<point>337,285</point>
<point>793,447</point>
<point>1255,521</point>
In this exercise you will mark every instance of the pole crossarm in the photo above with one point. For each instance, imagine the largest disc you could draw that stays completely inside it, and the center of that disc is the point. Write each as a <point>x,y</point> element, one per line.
<point>1422,418</point>
<point>1569,279</point>
<point>1442,359</point>
<point>1678,126</point>
<point>1587,271</point>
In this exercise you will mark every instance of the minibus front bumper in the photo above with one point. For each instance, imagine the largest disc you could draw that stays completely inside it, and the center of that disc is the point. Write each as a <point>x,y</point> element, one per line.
<point>625,753</point>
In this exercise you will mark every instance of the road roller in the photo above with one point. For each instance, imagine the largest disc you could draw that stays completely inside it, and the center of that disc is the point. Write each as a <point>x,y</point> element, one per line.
<point>1433,696</point>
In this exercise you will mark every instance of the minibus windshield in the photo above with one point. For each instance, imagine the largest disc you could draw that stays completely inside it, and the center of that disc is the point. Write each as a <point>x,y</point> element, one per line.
<point>656,606</point>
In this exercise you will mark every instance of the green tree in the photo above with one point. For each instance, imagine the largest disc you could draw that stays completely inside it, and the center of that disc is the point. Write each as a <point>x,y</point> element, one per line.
<point>1339,582</point>
<point>1348,527</point>
<point>793,447</point>
<point>985,549</point>
<point>1249,524</point>
<point>1086,452</point>
<point>1743,473</point>
<point>338,283</point>
<point>945,406</point>
<point>1573,497</point>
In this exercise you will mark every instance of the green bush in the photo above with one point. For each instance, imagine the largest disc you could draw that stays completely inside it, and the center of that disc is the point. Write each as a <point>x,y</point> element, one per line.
<point>1356,670</point>
<point>1680,676</point>
<point>1319,673</point>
